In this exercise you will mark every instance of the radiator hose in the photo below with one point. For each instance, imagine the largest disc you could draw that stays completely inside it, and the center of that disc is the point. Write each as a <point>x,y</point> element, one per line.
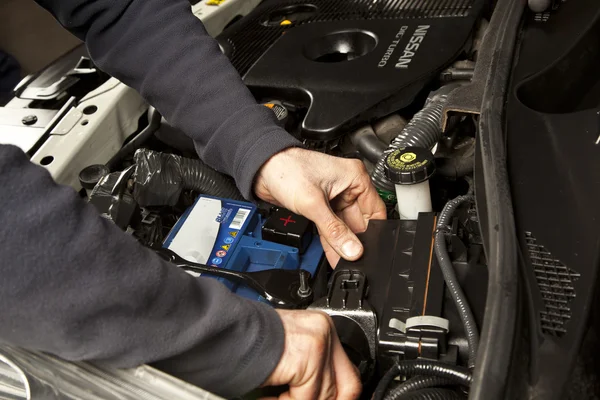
<point>441,252</point>
<point>160,178</point>
<point>367,143</point>
<point>458,375</point>
<point>423,130</point>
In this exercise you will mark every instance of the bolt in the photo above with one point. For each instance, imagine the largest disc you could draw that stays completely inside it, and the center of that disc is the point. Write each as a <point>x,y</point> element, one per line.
<point>29,119</point>
<point>304,290</point>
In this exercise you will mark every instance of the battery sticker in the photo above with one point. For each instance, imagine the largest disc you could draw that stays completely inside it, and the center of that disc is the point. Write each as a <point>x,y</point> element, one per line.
<point>221,253</point>
<point>239,219</point>
<point>210,230</point>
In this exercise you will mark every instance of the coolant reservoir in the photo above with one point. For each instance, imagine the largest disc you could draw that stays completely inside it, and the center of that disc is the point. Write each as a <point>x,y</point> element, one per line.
<point>409,169</point>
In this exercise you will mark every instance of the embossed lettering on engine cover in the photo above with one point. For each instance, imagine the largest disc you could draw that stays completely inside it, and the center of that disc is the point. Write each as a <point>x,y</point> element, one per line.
<point>412,47</point>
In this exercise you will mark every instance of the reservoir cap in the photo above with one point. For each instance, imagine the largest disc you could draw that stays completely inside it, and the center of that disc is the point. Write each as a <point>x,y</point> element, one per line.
<point>409,165</point>
<point>91,175</point>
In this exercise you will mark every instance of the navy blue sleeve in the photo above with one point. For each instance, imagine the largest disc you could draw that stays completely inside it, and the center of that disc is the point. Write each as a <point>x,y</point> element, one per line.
<point>76,286</point>
<point>161,49</point>
<point>73,284</point>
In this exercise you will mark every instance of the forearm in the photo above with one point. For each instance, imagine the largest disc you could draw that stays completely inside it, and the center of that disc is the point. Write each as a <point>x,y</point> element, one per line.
<point>160,49</point>
<point>76,286</point>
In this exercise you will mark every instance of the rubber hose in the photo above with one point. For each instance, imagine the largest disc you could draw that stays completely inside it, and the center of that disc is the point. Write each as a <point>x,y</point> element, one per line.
<point>160,178</point>
<point>154,121</point>
<point>367,143</point>
<point>423,130</point>
<point>389,127</point>
<point>459,375</point>
<point>197,176</point>
<point>441,252</point>
<point>430,394</point>
<point>454,167</point>
<point>417,383</point>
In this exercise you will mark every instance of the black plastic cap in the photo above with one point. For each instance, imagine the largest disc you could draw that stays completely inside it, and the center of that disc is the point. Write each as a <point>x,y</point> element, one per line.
<point>409,165</point>
<point>90,176</point>
<point>289,229</point>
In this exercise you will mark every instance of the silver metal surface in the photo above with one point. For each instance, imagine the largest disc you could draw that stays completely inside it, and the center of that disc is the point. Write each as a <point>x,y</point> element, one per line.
<point>26,375</point>
<point>26,127</point>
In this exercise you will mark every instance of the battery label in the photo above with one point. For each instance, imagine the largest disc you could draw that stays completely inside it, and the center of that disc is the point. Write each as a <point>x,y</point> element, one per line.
<point>239,219</point>
<point>209,231</point>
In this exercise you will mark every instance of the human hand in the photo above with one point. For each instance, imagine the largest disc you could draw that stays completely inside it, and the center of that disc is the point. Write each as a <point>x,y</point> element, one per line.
<point>335,193</point>
<point>313,364</point>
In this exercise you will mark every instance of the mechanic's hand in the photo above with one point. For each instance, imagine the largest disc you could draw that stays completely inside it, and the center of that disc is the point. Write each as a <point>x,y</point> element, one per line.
<point>336,193</point>
<point>313,364</point>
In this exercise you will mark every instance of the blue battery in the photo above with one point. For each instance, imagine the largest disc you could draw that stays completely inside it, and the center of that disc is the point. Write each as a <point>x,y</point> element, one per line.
<point>227,234</point>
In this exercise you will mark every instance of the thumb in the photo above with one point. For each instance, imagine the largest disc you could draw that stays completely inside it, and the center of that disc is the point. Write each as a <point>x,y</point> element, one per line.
<point>332,228</point>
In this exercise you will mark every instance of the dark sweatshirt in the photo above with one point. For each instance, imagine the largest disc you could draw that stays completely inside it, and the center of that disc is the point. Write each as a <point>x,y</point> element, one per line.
<point>75,285</point>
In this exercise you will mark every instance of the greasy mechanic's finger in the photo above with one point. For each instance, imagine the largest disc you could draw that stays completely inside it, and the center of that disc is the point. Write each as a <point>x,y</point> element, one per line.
<point>331,227</point>
<point>348,383</point>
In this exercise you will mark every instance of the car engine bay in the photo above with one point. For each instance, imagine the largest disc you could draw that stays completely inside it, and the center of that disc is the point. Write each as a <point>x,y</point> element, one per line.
<point>318,71</point>
<point>361,79</point>
<point>351,79</point>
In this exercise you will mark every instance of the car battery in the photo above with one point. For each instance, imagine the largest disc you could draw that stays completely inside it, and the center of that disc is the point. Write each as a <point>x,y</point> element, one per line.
<point>228,234</point>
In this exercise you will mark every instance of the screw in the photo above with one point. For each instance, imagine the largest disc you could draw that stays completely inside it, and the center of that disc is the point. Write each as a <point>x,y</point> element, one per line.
<point>304,290</point>
<point>29,119</point>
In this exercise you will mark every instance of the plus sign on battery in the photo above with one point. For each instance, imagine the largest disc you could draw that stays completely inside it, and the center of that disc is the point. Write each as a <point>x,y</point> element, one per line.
<point>287,220</point>
<point>285,227</point>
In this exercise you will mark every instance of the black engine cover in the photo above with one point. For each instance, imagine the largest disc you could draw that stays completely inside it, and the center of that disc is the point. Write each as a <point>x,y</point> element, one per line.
<point>347,60</point>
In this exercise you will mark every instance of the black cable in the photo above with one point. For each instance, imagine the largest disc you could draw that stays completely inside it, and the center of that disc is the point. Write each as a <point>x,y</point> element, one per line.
<point>417,383</point>
<point>432,394</point>
<point>384,383</point>
<point>160,178</point>
<point>197,176</point>
<point>441,252</point>
<point>459,375</point>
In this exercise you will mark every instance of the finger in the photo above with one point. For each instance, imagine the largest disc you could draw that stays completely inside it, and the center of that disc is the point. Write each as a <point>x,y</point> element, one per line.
<point>332,257</point>
<point>309,388</point>
<point>354,218</point>
<point>347,379</point>
<point>364,193</point>
<point>332,228</point>
<point>328,389</point>
<point>370,203</point>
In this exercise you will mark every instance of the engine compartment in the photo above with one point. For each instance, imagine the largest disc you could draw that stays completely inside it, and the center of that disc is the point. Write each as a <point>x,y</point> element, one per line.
<point>414,89</point>
<point>371,84</point>
<point>354,79</point>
